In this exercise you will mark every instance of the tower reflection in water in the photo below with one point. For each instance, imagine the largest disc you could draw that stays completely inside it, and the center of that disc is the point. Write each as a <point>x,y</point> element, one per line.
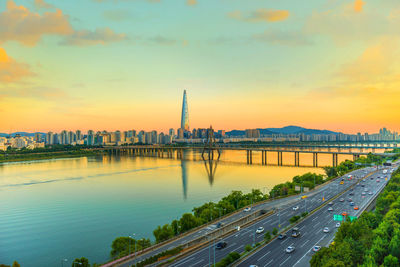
<point>209,164</point>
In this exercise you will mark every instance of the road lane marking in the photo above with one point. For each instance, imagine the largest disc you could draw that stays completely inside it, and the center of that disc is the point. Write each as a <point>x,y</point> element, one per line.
<point>315,225</point>
<point>182,262</point>
<point>308,251</point>
<point>269,262</point>
<point>194,264</point>
<point>237,248</point>
<point>314,218</point>
<point>285,261</point>
<point>264,255</point>
<point>305,243</point>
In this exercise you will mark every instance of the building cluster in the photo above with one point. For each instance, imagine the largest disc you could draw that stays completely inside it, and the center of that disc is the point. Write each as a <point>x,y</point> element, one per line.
<point>18,142</point>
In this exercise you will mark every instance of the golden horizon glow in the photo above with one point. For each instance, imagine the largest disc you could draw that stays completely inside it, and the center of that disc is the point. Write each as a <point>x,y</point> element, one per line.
<point>119,65</point>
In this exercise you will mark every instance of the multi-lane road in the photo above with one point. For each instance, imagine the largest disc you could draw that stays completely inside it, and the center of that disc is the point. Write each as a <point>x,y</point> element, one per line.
<point>247,236</point>
<point>311,228</point>
<point>327,189</point>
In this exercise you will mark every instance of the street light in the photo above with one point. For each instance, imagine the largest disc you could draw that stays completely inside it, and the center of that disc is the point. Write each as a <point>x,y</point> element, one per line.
<point>62,262</point>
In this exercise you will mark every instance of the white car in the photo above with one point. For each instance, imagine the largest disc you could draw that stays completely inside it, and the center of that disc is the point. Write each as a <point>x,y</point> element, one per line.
<point>247,209</point>
<point>260,230</point>
<point>370,193</point>
<point>330,209</point>
<point>290,249</point>
<point>326,230</point>
<point>296,208</point>
<point>316,248</point>
<point>338,225</point>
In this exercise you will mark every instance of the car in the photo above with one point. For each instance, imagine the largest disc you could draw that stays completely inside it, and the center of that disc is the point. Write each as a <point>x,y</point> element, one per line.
<point>290,249</point>
<point>351,194</point>
<point>362,185</point>
<point>352,203</point>
<point>341,200</point>
<point>316,248</point>
<point>356,208</point>
<point>282,236</point>
<point>253,265</point>
<point>330,209</point>
<point>220,224</point>
<point>247,209</point>
<point>341,182</point>
<point>221,245</point>
<point>295,207</point>
<point>350,200</point>
<point>326,230</point>
<point>344,213</point>
<point>370,193</point>
<point>372,178</point>
<point>366,190</point>
<point>330,203</point>
<point>260,230</point>
<point>363,193</point>
<point>338,225</point>
<point>377,180</point>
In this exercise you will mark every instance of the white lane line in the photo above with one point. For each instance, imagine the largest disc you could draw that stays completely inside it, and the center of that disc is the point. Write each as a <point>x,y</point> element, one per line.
<point>314,218</point>
<point>194,264</point>
<point>182,262</point>
<point>269,262</point>
<point>305,243</point>
<point>315,225</point>
<point>264,255</point>
<point>285,261</point>
<point>308,251</point>
<point>233,244</point>
<point>237,248</point>
<point>285,240</point>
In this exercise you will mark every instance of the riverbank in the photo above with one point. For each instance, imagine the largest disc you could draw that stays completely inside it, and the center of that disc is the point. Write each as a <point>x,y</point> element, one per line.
<point>4,158</point>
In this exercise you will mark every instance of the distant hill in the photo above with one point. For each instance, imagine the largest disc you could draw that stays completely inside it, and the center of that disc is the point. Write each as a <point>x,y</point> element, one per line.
<point>283,130</point>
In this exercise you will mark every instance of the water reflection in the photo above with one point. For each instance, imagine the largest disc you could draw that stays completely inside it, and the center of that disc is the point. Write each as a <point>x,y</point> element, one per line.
<point>184,178</point>
<point>211,168</point>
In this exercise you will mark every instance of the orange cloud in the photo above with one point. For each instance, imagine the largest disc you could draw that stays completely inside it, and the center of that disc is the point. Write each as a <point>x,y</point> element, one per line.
<point>19,24</point>
<point>191,2</point>
<point>11,70</point>
<point>261,15</point>
<point>99,36</point>
<point>358,5</point>
<point>42,4</point>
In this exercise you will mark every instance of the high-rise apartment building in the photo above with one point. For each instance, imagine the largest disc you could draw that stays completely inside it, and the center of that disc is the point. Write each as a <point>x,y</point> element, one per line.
<point>185,113</point>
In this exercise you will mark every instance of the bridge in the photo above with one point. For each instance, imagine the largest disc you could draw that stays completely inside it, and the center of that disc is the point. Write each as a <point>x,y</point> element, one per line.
<point>177,152</point>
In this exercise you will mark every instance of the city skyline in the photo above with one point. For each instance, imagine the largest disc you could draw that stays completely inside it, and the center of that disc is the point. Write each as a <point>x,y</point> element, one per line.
<point>247,64</point>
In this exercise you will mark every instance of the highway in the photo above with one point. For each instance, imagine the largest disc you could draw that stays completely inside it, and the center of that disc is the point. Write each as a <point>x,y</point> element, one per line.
<point>311,228</point>
<point>247,236</point>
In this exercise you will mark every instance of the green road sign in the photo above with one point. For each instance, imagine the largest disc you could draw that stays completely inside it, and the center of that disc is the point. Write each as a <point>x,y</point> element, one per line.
<point>337,217</point>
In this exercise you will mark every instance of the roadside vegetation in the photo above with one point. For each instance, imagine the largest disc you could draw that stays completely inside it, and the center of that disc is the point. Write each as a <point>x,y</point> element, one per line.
<point>371,240</point>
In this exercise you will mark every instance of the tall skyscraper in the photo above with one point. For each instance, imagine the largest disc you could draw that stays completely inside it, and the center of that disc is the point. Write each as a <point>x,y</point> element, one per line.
<point>185,113</point>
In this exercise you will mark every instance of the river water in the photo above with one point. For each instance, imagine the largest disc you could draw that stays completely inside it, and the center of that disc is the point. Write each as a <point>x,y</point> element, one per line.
<point>68,208</point>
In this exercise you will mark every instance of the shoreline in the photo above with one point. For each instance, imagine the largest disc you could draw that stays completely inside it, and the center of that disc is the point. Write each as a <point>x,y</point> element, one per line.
<point>47,156</point>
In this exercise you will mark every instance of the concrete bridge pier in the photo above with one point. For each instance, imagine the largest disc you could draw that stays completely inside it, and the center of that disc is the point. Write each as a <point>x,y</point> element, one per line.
<point>264,157</point>
<point>249,156</point>
<point>280,158</point>
<point>334,160</point>
<point>297,159</point>
<point>315,159</point>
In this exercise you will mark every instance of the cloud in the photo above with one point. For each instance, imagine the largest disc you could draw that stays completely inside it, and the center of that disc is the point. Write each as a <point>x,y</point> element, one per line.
<point>99,36</point>
<point>358,5</point>
<point>282,38</point>
<point>11,70</point>
<point>261,15</point>
<point>116,15</point>
<point>115,1</point>
<point>161,40</point>
<point>191,2</point>
<point>19,24</point>
<point>42,4</point>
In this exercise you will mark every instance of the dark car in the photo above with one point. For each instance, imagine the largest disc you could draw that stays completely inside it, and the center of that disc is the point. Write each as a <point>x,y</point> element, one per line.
<point>220,224</point>
<point>221,245</point>
<point>351,194</point>
<point>282,236</point>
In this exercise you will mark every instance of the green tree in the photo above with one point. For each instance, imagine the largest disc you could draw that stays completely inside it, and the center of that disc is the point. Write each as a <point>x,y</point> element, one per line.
<point>267,236</point>
<point>163,233</point>
<point>248,248</point>
<point>275,231</point>
<point>82,262</point>
<point>390,261</point>
<point>188,221</point>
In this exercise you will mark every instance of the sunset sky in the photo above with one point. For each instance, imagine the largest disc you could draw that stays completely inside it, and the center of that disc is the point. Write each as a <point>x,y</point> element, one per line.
<point>123,64</point>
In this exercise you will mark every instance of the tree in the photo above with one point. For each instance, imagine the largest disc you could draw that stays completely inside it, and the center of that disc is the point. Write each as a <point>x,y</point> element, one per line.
<point>267,236</point>
<point>163,233</point>
<point>82,262</point>
<point>390,261</point>
<point>188,221</point>
<point>175,227</point>
<point>275,231</point>
<point>248,248</point>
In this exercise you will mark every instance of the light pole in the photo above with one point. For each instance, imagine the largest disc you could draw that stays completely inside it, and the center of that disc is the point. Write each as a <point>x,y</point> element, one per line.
<point>62,262</point>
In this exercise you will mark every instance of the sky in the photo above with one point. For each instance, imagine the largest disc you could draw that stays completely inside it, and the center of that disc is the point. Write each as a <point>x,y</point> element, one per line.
<point>123,64</point>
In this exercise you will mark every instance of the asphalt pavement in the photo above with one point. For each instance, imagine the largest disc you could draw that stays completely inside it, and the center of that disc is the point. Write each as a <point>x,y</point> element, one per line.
<point>273,253</point>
